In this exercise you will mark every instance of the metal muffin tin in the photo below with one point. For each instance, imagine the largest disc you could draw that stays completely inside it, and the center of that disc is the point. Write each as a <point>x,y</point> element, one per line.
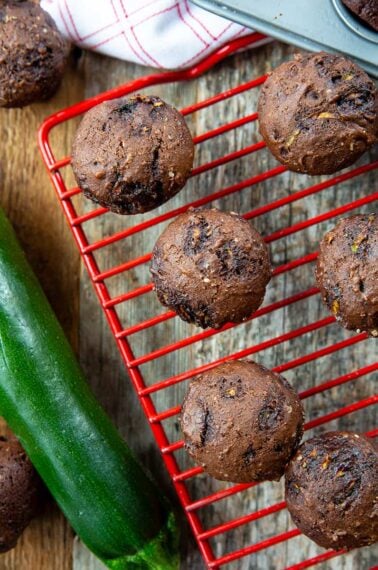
<point>313,25</point>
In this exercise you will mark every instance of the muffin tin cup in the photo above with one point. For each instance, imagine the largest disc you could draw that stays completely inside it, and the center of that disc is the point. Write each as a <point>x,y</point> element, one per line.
<point>354,23</point>
<point>315,26</point>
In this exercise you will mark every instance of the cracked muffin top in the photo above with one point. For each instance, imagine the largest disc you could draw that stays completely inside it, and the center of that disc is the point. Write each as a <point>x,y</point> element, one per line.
<point>132,155</point>
<point>211,267</point>
<point>347,272</point>
<point>318,113</point>
<point>242,422</point>
<point>365,10</point>
<point>33,54</point>
<point>332,490</point>
<point>21,492</point>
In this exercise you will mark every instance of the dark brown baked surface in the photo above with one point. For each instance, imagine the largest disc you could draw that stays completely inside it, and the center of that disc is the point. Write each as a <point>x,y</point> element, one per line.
<point>332,490</point>
<point>366,10</point>
<point>318,113</point>
<point>242,422</point>
<point>132,155</point>
<point>33,54</point>
<point>347,272</point>
<point>211,267</point>
<point>20,492</point>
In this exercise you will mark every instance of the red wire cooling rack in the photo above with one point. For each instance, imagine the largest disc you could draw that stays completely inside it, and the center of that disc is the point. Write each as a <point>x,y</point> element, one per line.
<point>122,335</point>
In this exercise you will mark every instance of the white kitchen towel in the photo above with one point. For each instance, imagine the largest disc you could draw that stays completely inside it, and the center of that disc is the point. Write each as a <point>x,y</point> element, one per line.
<point>160,33</point>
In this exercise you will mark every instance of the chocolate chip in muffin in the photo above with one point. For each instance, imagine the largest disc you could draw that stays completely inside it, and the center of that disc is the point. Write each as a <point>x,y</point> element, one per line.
<point>242,422</point>
<point>132,155</point>
<point>347,272</point>
<point>211,267</point>
<point>332,490</point>
<point>33,54</point>
<point>318,113</point>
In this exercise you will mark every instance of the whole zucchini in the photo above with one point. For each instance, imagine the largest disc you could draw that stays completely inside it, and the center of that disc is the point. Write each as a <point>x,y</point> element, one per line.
<point>112,505</point>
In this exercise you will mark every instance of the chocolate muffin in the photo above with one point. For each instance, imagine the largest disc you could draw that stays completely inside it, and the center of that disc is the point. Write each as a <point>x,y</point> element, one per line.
<point>33,54</point>
<point>347,272</point>
<point>318,113</point>
<point>210,267</point>
<point>20,492</point>
<point>332,490</point>
<point>366,10</point>
<point>132,155</point>
<point>242,422</point>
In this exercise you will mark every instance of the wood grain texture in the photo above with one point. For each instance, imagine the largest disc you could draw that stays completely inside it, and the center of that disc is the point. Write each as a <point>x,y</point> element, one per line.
<point>31,204</point>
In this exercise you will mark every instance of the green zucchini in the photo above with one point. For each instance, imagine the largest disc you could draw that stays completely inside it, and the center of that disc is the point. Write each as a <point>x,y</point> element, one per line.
<point>110,502</point>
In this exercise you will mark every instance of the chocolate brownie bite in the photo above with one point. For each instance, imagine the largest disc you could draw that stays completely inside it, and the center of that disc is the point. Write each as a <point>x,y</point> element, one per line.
<point>242,422</point>
<point>211,267</point>
<point>347,272</point>
<point>332,490</point>
<point>33,54</point>
<point>318,113</point>
<point>365,10</point>
<point>20,492</point>
<point>132,155</point>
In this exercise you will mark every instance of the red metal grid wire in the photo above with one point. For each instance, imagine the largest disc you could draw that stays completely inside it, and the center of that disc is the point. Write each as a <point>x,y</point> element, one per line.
<point>121,335</point>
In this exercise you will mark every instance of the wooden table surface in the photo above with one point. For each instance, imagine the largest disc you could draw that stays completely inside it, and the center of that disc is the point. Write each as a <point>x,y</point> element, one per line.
<point>30,202</point>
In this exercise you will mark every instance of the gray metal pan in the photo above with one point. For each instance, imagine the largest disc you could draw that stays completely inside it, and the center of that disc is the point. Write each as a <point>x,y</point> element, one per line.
<point>310,24</point>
